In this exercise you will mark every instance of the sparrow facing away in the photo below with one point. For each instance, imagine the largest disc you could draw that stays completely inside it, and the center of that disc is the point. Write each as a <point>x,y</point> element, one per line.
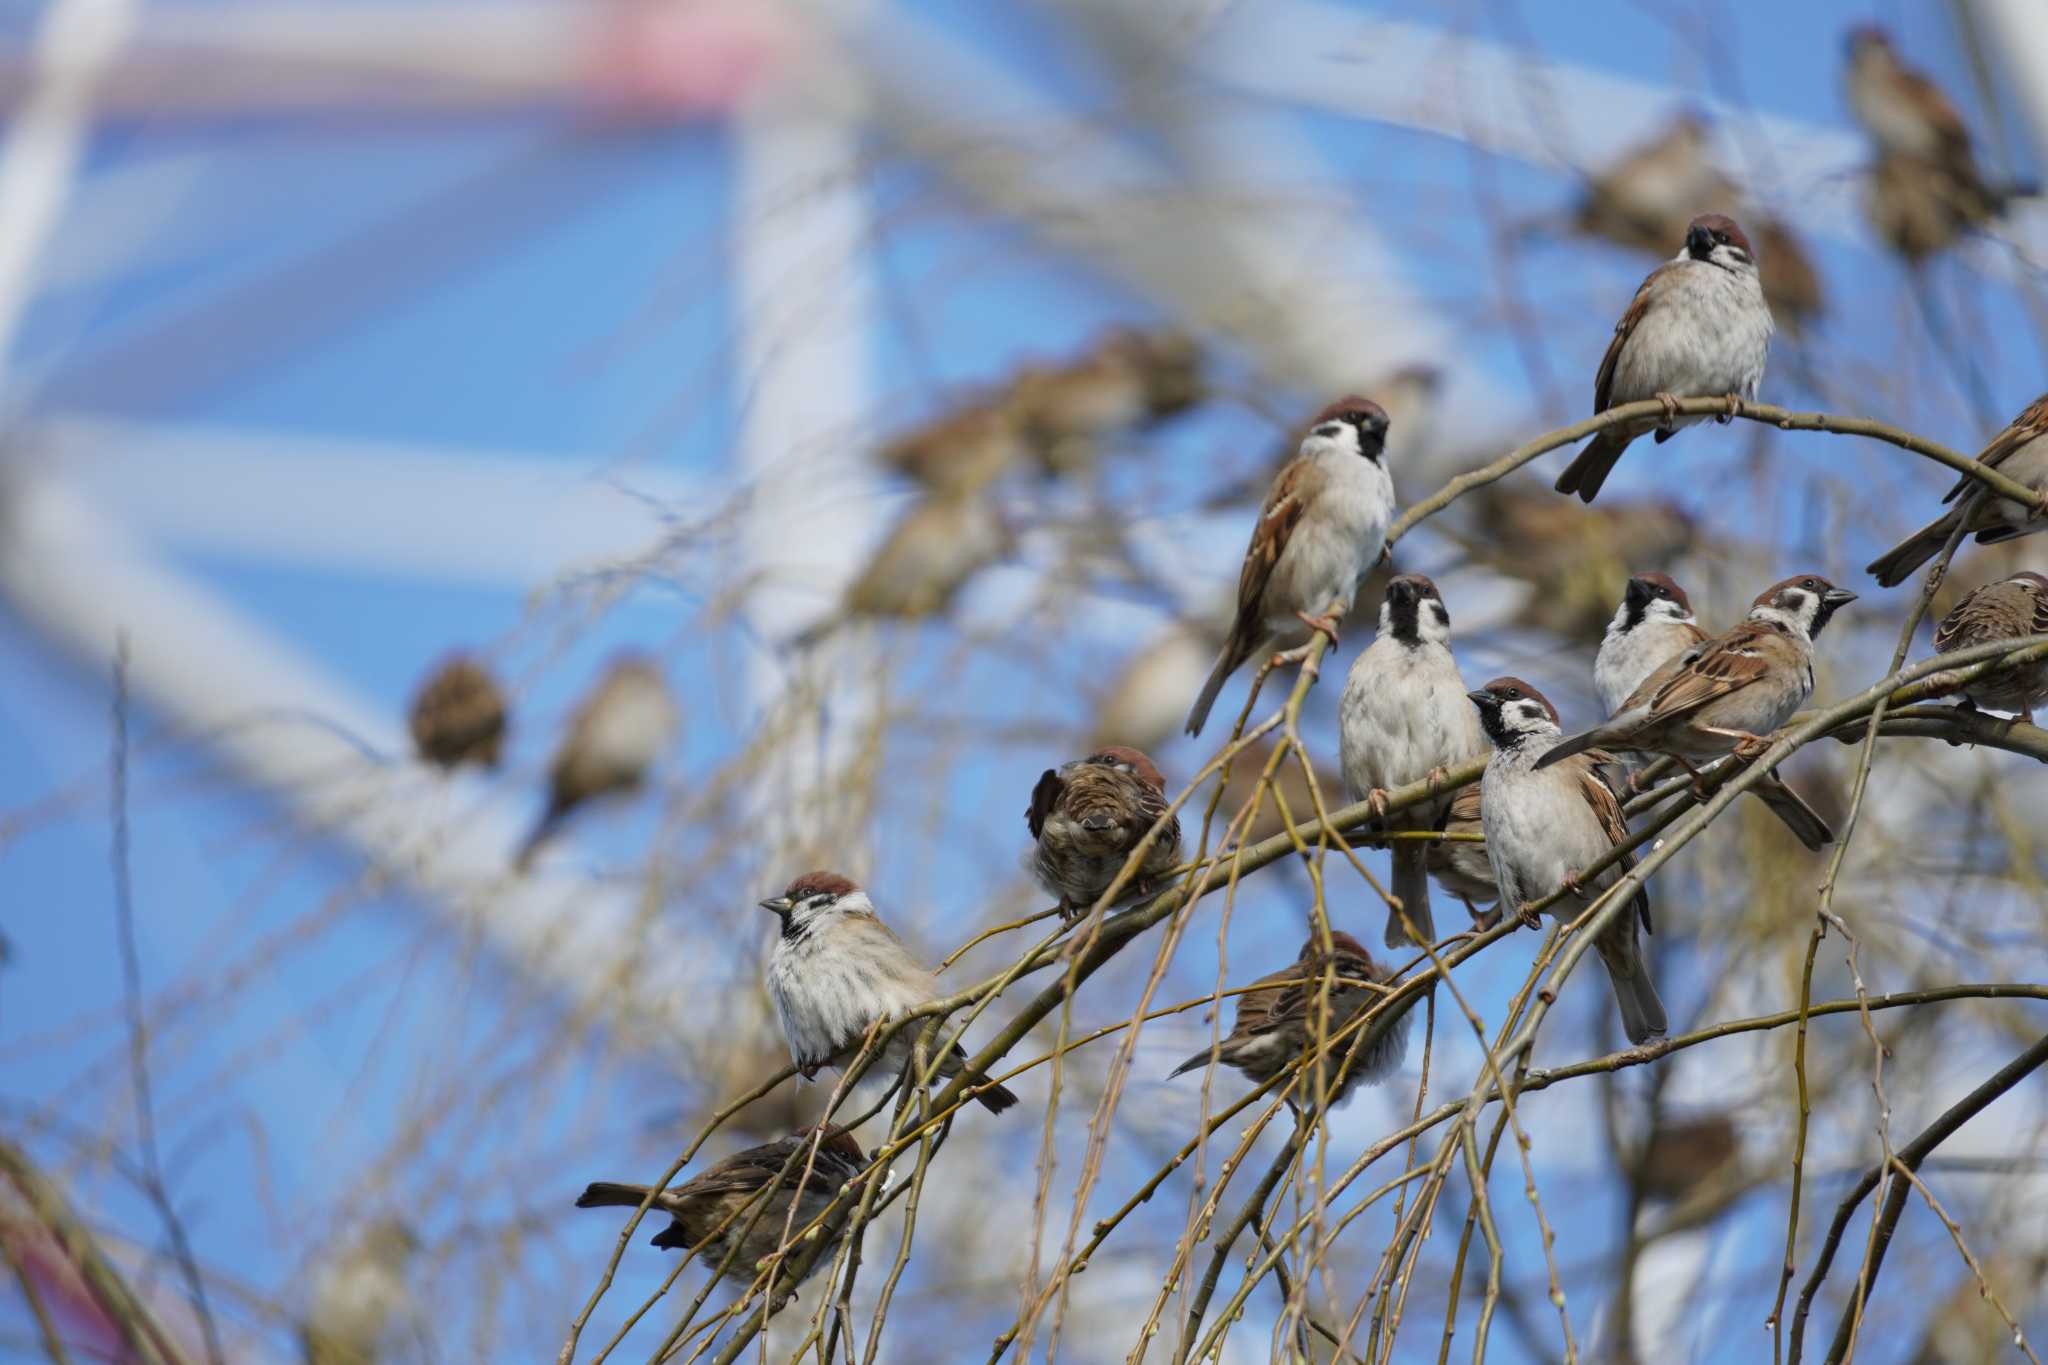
<point>1322,527</point>
<point>2009,609</point>
<point>837,971</point>
<point>361,1299</point>
<point>2020,452</point>
<point>962,451</point>
<point>616,733</point>
<point>941,542</point>
<point>1651,633</point>
<point>1913,124</point>
<point>1543,827</point>
<point>1403,717</point>
<point>458,715</point>
<point>1273,1024</point>
<point>722,1211</point>
<point>1087,816</point>
<point>1729,694</point>
<point>1698,327</point>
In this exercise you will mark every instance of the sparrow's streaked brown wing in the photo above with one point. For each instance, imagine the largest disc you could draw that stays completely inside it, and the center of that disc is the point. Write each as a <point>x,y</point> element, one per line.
<point>1045,797</point>
<point>1736,660</point>
<point>1286,503</point>
<point>1927,100</point>
<point>1606,807</point>
<point>1603,382</point>
<point>2023,428</point>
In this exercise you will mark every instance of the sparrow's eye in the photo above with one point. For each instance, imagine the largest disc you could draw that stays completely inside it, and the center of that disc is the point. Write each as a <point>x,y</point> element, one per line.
<point>1720,237</point>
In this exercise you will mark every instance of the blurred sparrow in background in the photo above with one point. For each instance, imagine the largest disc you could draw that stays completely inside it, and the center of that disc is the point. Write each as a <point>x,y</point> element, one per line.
<point>964,450</point>
<point>726,1211</point>
<point>1276,1024</point>
<point>2009,609</point>
<point>1682,1153</point>
<point>458,715</point>
<point>2020,452</point>
<point>362,1298</point>
<point>1729,694</point>
<point>941,542</point>
<point>616,733</point>
<point>1088,815</point>
<point>1322,526</point>
<point>1544,828</point>
<point>1916,130</point>
<point>1404,717</point>
<point>1127,380</point>
<point>837,972</point>
<point>1697,328</point>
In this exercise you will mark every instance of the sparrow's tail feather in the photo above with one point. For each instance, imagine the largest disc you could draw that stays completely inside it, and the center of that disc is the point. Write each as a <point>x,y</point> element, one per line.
<point>996,1098</point>
<point>1577,744</point>
<point>1800,818</point>
<point>1897,564</point>
<point>1591,466</point>
<point>542,831</point>
<point>1226,664</point>
<point>603,1194</point>
<point>1642,1013</point>
<point>1411,888</point>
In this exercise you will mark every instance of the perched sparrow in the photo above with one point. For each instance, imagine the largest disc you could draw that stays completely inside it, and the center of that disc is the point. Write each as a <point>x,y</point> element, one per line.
<point>941,543</point>
<point>1651,633</point>
<point>617,732</point>
<point>458,716</point>
<point>1544,827</point>
<point>1462,868</point>
<point>1911,207</point>
<point>837,971</point>
<point>1273,1024</point>
<point>1407,396</point>
<point>1697,328</point>
<point>1655,187</point>
<point>1791,283</point>
<point>722,1213</point>
<point>1729,694</point>
<point>2009,609</point>
<point>1912,122</point>
<point>2019,452</point>
<point>1403,717</point>
<point>1323,525</point>
<point>1684,1152</point>
<point>1127,380</point>
<point>1088,815</point>
<point>361,1299</point>
<point>964,450</point>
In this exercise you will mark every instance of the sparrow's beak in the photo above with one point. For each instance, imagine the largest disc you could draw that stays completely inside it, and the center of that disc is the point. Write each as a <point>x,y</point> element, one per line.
<point>1699,243</point>
<point>1838,597</point>
<point>1479,698</point>
<point>779,904</point>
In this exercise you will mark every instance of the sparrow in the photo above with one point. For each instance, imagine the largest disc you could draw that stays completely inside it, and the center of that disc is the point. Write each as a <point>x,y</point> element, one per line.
<point>837,971</point>
<point>1403,717</point>
<point>721,1212</point>
<point>1647,197</point>
<point>1463,868</point>
<point>1129,379</point>
<point>941,543</point>
<point>1322,527</point>
<point>1683,1153</point>
<point>1652,631</point>
<point>2019,452</point>
<point>1697,328</point>
<point>1407,395</point>
<point>2009,609</point>
<point>1912,123</point>
<point>1543,826</point>
<point>963,450</point>
<point>458,715</point>
<point>1576,560</point>
<point>616,733</point>
<point>1728,694</point>
<point>1086,817</point>
<point>1911,207</point>
<point>1273,1025</point>
<point>1142,704</point>
<point>361,1299</point>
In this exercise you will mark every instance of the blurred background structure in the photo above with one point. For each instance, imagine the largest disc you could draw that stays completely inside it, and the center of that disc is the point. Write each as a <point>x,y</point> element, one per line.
<point>901,378</point>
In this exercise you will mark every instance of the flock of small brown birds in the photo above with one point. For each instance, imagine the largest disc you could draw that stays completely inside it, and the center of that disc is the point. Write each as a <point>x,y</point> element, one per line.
<point>1549,805</point>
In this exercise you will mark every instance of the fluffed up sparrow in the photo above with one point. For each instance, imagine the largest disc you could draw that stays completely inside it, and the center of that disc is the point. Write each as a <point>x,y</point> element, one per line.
<point>458,715</point>
<point>1404,717</point>
<point>1085,818</point>
<point>1652,631</point>
<point>615,735</point>
<point>1322,527</point>
<point>1274,1024</point>
<point>1911,122</point>
<point>940,543</point>
<point>725,1212</point>
<point>362,1298</point>
<point>2010,609</point>
<point>1127,380</point>
<point>837,972</point>
<point>2020,452</point>
<point>1544,827</point>
<point>1729,694</point>
<point>1698,327</point>
<point>963,450</point>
